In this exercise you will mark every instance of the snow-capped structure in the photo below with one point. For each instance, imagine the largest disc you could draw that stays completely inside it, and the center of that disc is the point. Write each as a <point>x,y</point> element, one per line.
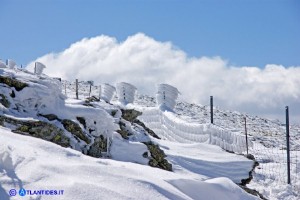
<point>11,64</point>
<point>125,92</point>
<point>107,92</point>
<point>166,96</point>
<point>38,68</point>
<point>2,64</point>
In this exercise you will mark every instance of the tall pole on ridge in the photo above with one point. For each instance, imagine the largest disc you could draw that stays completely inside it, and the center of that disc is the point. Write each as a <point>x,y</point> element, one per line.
<point>288,144</point>
<point>211,109</point>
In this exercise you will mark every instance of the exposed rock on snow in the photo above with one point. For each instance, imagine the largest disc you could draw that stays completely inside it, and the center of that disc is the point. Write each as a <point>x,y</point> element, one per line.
<point>11,82</point>
<point>37,129</point>
<point>75,129</point>
<point>158,157</point>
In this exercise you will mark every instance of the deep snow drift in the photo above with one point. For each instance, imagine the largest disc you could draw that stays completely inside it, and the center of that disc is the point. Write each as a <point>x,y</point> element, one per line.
<point>34,164</point>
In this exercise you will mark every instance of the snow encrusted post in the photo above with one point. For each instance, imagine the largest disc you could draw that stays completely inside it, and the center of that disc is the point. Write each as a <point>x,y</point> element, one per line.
<point>10,63</point>
<point>38,68</point>
<point>125,92</point>
<point>2,64</point>
<point>288,144</point>
<point>107,92</point>
<point>166,96</point>
<point>91,83</point>
<point>246,134</point>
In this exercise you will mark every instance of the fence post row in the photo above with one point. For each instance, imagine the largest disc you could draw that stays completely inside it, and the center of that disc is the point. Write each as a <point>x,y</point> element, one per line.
<point>211,109</point>
<point>288,144</point>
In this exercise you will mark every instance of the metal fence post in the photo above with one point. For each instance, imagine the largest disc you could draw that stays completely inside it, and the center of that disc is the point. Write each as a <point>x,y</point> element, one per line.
<point>211,109</point>
<point>288,144</point>
<point>76,88</point>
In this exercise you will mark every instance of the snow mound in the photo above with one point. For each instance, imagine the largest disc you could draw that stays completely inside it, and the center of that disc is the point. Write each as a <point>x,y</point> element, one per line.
<point>25,162</point>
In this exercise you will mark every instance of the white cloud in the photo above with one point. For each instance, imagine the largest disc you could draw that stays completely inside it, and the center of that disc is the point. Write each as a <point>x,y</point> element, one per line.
<point>145,62</point>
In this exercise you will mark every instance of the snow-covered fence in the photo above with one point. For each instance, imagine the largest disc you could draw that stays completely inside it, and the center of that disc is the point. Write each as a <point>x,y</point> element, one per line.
<point>166,96</point>
<point>11,64</point>
<point>125,92</point>
<point>270,150</point>
<point>38,68</point>
<point>166,125</point>
<point>107,92</point>
<point>2,64</point>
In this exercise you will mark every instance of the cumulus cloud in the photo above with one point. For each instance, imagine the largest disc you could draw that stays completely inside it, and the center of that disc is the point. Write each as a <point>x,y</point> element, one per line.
<point>145,62</point>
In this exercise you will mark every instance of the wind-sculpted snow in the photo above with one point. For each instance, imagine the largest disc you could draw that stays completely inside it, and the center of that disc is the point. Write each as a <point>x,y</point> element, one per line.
<point>107,92</point>
<point>166,96</point>
<point>125,92</point>
<point>170,127</point>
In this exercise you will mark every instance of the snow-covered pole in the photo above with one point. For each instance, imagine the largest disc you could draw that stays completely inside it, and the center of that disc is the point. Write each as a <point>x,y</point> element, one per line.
<point>288,144</point>
<point>211,109</point>
<point>76,88</point>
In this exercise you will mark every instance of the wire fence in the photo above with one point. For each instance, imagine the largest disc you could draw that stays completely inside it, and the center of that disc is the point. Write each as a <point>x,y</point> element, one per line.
<point>266,141</point>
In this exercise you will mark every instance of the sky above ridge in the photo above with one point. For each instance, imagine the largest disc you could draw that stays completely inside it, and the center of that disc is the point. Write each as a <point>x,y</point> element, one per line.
<point>244,53</point>
<point>246,33</point>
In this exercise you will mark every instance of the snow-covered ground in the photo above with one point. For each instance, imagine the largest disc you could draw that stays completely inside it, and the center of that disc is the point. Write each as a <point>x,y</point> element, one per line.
<point>34,164</point>
<point>269,178</point>
<point>202,169</point>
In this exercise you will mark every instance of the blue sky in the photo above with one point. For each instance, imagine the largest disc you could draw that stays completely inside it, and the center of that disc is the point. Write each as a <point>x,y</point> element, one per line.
<point>246,33</point>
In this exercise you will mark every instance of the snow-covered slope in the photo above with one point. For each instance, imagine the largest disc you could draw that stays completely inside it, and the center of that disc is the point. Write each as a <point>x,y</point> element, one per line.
<point>191,148</point>
<point>34,164</point>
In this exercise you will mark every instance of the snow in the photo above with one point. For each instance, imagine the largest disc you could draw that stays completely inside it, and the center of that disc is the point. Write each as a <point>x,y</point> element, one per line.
<point>125,92</point>
<point>107,92</point>
<point>38,68</point>
<point>168,126</point>
<point>2,64</point>
<point>11,64</point>
<point>166,96</point>
<point>25,162</point>
<point>202,169</point>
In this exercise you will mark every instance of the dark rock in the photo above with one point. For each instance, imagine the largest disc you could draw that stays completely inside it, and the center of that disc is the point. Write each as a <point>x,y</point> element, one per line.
<point>157,157</point>
<point>99,146</point>
<point>4,101</point>
<point>145,154</point>
<point>75,129</point>
<point>11,82</point>
<point>81,121</point>
<point>244,182</point>
<point>12,94</point>
<point>130,114</point>
<point>123,133</point>
<point>92,99</point>
<point>253,192</point>
<point>250,156</point>
<point>38,129</point>
<point>50,117</point>
<point>113,112</point>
